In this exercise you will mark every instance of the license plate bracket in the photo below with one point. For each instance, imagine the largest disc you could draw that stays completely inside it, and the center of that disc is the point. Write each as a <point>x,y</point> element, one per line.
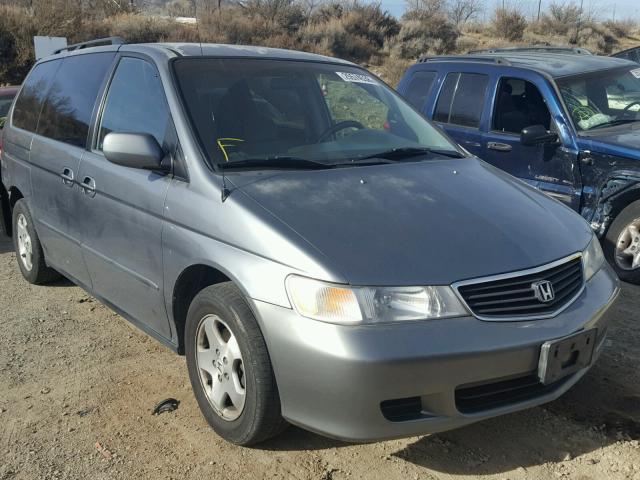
<point>564,356</point>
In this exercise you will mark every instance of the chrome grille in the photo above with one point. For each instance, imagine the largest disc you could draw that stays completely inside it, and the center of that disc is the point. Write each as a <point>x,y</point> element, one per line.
<point>512,296</point>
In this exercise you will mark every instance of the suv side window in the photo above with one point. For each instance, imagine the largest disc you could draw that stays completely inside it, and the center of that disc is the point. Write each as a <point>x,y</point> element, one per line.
<point>419,88</point>
<point>518,104</point>
<point>461,99</point>
<point>35,88</point>
<point>66,113</point>
<point>135,102</point>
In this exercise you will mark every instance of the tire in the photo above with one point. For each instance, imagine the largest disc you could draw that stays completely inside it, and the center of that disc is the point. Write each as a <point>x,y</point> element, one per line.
<point>615,241</point>
<point>31,261</point>
<point>222,309</point>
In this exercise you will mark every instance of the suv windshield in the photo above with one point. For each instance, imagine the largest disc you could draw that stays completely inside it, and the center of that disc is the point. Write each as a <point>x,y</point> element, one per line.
<point>602,99</point>
<point>293,113</point>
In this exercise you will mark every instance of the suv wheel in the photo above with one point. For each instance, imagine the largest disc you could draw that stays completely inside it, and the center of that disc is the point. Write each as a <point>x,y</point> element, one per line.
<point>28,248</point>
<point>229,367</point>
<point>622,243</point>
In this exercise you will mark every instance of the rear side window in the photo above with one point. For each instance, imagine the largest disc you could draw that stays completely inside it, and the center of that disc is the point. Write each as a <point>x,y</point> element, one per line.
<point>419,89</point>
<point>135,102</point>
<point>461,99</point>
<point>32,95</point>
<point>66,113</point>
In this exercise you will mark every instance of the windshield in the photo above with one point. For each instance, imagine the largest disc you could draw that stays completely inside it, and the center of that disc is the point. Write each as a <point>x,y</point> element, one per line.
<point>602,99</point>
<point>259,111</point>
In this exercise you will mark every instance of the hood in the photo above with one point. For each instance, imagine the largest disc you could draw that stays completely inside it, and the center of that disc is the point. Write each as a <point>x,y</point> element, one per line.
<point>432,222</point>
<point>622,141</point>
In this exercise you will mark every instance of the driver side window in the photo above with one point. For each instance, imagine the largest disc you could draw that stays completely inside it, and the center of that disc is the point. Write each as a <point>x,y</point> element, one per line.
<point>348,101</point>
<point>519,104</point>
<point>135,102</point>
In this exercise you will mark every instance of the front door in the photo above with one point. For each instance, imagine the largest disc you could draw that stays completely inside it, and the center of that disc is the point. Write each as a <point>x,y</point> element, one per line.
<point>553,168</point>
<point>123,207</point>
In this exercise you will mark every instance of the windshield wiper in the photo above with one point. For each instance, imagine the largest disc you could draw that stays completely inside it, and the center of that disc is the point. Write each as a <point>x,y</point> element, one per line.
<point>409,152</point>
<point>363,161</point>
<point>612,123</point>
<point>276,162</point>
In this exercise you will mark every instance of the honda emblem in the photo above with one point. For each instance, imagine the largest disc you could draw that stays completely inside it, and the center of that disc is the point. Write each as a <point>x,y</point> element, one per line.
<point>543,291</point>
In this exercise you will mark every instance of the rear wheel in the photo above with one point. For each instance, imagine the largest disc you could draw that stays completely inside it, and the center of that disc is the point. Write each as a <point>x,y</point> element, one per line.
<point>28,248</point>
<point>622,243</point>
<point>229,367</point>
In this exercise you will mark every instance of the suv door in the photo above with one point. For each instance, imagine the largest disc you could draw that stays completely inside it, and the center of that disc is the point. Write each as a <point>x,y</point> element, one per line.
<point>121,207</point>
<point>55,156</point>
<point>518,103</point>
<point>459,108</point>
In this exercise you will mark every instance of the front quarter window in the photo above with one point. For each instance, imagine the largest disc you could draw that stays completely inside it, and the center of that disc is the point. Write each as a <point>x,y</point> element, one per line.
<point>315,114</point>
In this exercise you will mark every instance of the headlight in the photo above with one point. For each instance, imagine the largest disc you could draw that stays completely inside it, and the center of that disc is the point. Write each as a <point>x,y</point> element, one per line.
<point>592,258</point>
<point>356,305</point>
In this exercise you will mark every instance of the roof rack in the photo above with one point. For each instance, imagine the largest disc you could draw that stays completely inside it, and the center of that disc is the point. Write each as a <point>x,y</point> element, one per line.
<point>91,43</point>
<point>536,48</point>
<point>464,58</point>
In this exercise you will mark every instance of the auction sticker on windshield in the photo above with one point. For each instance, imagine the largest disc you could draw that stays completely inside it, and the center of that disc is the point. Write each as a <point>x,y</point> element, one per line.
<point>357,78</point>
<point>635,72</point>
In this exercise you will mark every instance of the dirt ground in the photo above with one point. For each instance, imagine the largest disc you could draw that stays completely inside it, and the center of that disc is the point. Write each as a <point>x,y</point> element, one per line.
<point>77,385</point>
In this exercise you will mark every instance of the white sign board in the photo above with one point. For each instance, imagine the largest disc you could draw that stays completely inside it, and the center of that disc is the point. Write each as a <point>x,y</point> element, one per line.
<point>47,45</point>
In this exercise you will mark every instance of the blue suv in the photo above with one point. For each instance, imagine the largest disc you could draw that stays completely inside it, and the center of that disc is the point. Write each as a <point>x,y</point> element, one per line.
<point>567,124</point>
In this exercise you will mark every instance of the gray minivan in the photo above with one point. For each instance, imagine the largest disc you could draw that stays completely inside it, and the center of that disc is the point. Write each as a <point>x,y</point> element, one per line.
<point>321,254</point>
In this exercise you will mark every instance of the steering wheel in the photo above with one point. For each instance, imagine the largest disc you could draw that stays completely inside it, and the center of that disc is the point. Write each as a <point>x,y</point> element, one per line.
<point>337,127</point>
<point>626,109</point>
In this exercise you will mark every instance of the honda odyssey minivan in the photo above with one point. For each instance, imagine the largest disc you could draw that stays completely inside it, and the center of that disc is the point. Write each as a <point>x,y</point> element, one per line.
<point>321,254</point>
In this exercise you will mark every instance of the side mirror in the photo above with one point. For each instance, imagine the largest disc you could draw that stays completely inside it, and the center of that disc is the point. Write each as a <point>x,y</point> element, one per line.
<point>134,150</point>
<point>536,135</point>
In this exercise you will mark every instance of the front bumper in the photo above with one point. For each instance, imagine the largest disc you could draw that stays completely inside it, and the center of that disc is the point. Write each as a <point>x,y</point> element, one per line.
<point>333,379</point>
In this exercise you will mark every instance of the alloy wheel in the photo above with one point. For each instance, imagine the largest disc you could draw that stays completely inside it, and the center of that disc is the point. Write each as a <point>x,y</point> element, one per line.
<point>221,368</point>
<point>628,246</point>
<point>25,246</point>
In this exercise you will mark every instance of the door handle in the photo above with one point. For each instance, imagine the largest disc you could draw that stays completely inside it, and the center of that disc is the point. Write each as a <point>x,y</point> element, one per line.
<point>67,176</point>
<point>88,186</point>
<point>500,147</point>
<point>472,143</point>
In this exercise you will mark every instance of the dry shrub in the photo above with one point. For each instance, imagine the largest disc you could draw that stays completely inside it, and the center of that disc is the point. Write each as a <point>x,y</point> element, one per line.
<point>353,30</point>
<point>426,36</point>
<point>621,28</point>
<point>509,23</point>
<point>141,29</point>
<point>595,37</point>
<point>332,38</point>
<point>230,25</point>
<point>466,43</point>
<point>559,20</point>
<point>474,27</point>
<point>16,45</point>
<point>392,69</point>
<point>181,8</point>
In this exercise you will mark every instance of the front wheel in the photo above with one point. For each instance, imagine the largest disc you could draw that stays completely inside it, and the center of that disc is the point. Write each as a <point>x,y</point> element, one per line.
<point>622,243</point>
<point>229,367</point>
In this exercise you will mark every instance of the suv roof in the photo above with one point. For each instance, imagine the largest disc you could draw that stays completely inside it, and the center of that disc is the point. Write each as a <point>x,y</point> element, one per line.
<point>551,63</point>
<point>195,49</point>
